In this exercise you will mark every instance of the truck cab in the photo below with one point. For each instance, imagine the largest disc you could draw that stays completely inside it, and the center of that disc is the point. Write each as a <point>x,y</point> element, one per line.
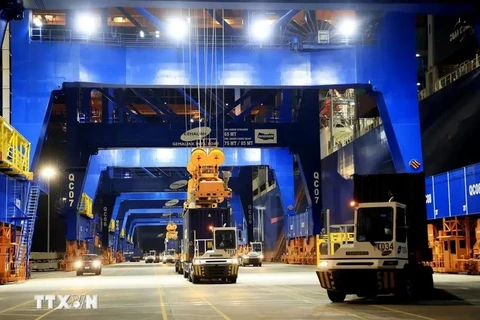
<point>253,255</point>
<point>377,261</point>
<point>215,258</point>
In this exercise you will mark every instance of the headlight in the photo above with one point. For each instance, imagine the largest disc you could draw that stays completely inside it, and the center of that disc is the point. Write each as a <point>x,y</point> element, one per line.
<point>78,264</point>
<point>323,264</point>
<point>261,256</point>
<point>96,264</point>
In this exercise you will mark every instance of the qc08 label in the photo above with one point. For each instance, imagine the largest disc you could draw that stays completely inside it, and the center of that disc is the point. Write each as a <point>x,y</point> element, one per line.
<point>384,246</point>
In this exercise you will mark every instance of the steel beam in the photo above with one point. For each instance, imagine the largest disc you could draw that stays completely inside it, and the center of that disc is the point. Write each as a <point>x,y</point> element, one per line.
<point>192,101</point>
<point>253,105</point>
<point>160,110</point>
<point>159,24</point>
<point>120,105</point>
<point>285,18</point>
<point>233,105</point>
<point>229,30</point>
<point>149,173</point>
<point>133,21</point>
<point>43,132</point>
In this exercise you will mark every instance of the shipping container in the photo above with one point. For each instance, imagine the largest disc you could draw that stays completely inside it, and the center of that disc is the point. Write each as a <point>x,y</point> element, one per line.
<point>197,224</point>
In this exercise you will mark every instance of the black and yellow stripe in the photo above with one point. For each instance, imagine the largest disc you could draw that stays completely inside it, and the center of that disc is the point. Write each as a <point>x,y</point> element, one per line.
<point>326,280</point>
<point>385,280</point>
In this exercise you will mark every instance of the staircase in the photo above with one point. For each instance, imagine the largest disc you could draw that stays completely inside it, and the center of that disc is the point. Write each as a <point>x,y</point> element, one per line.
<point>28,226</point>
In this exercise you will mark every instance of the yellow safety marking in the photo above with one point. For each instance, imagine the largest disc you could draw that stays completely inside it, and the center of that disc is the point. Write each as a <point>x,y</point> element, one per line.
<point>162,301</point>
<point>404,312</point>
<point>306,290</point>
<point>327,280</point>
<point>210,304</point>
<point>348,313</point>
<point>18,305</point>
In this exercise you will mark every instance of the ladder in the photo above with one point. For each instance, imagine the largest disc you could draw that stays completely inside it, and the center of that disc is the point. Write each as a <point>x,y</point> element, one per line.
<point>28,226</point>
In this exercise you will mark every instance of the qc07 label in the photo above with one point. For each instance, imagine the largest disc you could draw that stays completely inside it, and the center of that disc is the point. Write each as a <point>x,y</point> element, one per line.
<point>384,246</point>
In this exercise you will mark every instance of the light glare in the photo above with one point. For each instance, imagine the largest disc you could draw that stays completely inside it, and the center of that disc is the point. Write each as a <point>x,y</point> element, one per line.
<point>177,28</point>
<point>37,22</point>
<point>86,23</point>
<point>48,172</point>
<point>261,30</point>
<point>347,27</point>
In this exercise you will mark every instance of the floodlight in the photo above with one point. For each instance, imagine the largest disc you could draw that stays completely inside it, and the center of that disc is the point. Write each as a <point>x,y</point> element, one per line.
<point>261,30</point>
<point>347,27</point>
<point>417,55</point>
<point>86,23</point>
<point>177,28</point>
<point>37,22</point>
<point>142,34</point>
<point>48,172</point>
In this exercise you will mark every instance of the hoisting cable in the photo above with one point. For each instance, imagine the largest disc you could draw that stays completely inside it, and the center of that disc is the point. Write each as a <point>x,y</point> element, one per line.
<point>197,44</point>
<point>223,77</point>
<point>184,84</point>
<point>189,70</point>
<point>216,77</point>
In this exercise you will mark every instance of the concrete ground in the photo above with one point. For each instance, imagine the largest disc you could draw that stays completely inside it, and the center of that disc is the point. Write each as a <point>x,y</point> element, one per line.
<point>274,291</point>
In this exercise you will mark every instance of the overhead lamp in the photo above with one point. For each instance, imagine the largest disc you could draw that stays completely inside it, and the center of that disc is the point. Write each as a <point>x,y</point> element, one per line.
<point>417,55</point>
<point>348,27</point>
<point>157,34</point>
<point>37,22</point>
<point>142,34</point>
<point>48,172</point>
<point>419,84</point>
<point>86,23</point>
<point>177,28</point>
<point>261,30</point>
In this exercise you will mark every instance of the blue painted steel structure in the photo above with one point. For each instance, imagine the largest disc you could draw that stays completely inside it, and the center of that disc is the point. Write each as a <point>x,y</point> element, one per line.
<point>392,75</point>
<point>387,72</point>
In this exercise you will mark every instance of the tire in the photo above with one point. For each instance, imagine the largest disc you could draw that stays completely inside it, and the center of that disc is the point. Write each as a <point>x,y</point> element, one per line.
<point>79,273</point>
<point>336,296</point>
<point>259,264</point>
<point>233,280</point>
<point>196,280</point>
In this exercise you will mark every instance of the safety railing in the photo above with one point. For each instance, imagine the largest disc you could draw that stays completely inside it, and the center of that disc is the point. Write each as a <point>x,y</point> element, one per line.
<point>14,151</point>
<point>128,39</point>
<point>463,69</point>
<point>86,206</point>
<point>111,226</point>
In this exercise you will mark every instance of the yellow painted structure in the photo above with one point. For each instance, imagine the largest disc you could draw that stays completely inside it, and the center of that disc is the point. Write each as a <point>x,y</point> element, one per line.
<point>86,206</point>
<point>206,189</point>
<point>14,151</point>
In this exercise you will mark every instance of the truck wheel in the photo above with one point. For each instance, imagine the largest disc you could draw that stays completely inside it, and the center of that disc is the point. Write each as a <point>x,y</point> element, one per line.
<point>233,280</point>
<point>336,296</point>
<point>79,273</point>
<point>259,264</point>
<point>196,280</point>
